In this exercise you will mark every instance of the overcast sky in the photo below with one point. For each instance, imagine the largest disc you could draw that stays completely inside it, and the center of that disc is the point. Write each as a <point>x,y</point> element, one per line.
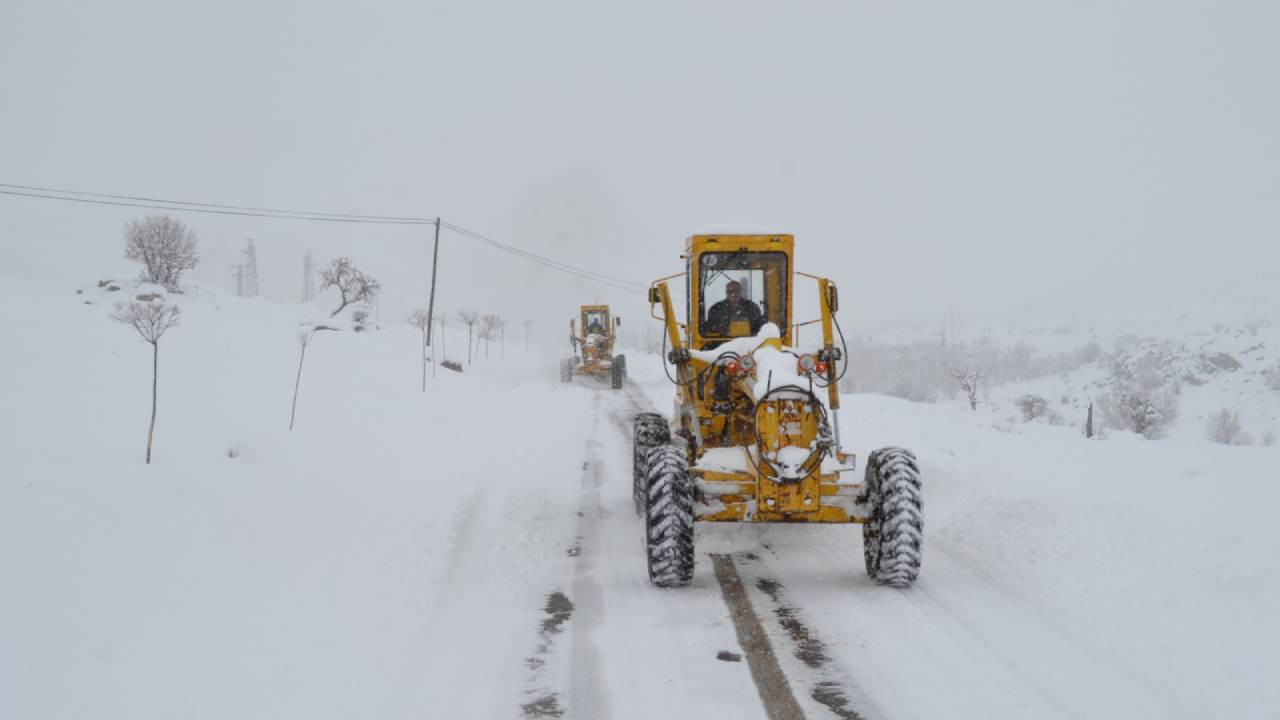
<point>938,160</point>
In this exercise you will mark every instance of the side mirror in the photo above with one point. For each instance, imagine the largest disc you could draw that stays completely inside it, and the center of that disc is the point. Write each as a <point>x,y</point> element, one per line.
<point>654,295</point>
<point>833,297</point>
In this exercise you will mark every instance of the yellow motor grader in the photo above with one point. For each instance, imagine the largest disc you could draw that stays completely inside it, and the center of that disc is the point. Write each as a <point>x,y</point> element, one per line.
<point>752,438</point>
<point>593,347</point>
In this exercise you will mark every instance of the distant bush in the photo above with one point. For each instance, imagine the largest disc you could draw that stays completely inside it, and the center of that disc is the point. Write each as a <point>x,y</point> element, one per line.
<point>1034,407</point>
<point>451,365</point>
<point>1225,428</point>
<point>1272,377</point>
<point>1140,404</point>
<point>1088,352</point>
<point>360,320</point>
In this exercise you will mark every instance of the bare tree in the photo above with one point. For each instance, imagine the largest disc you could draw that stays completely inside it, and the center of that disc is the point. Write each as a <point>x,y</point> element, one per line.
<point>489,324</point>
<point>442,321</point>
<point>304,339</point>
<point>469,317</point>
<point>418,319</point>
<point>165,246</point>
<point>150,320</point>
<point>969,381</point>
<point>352,284</point>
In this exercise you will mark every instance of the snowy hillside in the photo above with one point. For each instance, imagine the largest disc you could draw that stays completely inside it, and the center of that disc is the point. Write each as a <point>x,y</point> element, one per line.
<point>470,551</point>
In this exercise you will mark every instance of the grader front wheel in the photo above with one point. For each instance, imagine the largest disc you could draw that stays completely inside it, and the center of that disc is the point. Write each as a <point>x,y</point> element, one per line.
<point>649,430</point>
<point>892,538</point>
<point>669,517</point>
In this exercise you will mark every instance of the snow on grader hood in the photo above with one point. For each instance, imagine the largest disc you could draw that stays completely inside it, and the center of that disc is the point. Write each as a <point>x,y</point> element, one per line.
<point>753,439</point>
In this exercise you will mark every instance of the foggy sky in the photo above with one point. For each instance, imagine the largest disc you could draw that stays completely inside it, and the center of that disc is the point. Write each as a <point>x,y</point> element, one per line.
<point>938,160</point>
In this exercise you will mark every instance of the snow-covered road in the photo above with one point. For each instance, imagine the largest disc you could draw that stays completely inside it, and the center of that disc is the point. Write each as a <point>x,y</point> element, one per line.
<point>471,551</point>
<point>952,646</point>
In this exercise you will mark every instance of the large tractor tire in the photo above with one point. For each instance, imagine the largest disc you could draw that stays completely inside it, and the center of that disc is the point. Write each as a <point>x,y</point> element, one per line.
<point>892,539</point>
<point>648,431</point>
<point>618,371</point>
<point>566,369</point>
<point>669,517</point>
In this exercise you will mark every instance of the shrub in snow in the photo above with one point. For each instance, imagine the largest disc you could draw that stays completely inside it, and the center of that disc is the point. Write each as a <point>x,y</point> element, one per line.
<point>1224,427</point>
<point>150,320</point>
<point>360,320</point>
<point>1142,405</point>
<point>165,247</point>
<point>1034,407</point>
<point>451,365</point>
<point>1269,438</point>
<point>352,284</point>
<point>1272,377</point>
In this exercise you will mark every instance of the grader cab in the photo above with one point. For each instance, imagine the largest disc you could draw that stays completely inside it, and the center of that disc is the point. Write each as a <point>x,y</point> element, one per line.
<point>755,435</point>
<point>593,347</point>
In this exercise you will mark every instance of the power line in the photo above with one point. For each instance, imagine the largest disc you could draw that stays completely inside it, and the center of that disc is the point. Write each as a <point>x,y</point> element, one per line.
<point>583,273</point>
<point>139,201</point>
<point>216,211</point>
<point>248,208</point>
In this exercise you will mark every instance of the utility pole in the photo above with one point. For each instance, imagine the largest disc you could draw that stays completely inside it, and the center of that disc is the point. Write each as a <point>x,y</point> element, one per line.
<point>250,269</point>
<point>239,270</point>
<point>308,272</point>
<point>527,323</point>
<point>431,304</point>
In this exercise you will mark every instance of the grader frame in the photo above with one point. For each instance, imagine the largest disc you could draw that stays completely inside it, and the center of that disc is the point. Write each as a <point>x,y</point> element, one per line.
<point>750,439</point>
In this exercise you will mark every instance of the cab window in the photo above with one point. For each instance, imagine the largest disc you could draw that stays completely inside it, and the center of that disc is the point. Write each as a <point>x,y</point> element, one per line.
<point>595,322</point>
<point>741,291</point>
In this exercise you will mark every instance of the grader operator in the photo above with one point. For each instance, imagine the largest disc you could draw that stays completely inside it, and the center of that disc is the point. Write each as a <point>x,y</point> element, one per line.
<point>593,348</point>
<point>753,439</point>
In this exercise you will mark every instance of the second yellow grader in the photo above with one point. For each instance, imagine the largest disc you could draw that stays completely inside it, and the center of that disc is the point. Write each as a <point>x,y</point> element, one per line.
<point>751,438</point>
<point>593,347</point>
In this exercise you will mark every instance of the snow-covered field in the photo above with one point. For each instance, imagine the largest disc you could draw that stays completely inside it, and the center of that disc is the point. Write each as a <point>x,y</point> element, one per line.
<point>471,551</point>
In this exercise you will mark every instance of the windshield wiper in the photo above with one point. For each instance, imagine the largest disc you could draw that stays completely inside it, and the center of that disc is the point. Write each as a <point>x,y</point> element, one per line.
<point>720,271</point>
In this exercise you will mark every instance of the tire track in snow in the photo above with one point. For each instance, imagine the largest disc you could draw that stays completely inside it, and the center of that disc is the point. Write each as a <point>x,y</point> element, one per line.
<point>588,693</point>
<point>578,614</point>
<point>775,692</point>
